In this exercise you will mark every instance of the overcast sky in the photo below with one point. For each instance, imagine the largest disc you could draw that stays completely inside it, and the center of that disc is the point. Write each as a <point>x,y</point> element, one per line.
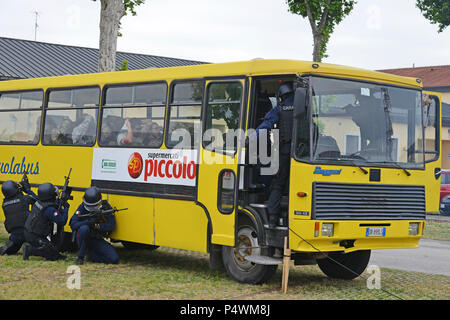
<point>378,34</point>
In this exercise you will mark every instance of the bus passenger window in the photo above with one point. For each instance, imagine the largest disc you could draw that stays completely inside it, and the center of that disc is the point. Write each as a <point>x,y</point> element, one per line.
<point>71,117</point>
<point>20,117</point>
<point>222,116</point>
<point>184,115</point>
<point>133,115</point>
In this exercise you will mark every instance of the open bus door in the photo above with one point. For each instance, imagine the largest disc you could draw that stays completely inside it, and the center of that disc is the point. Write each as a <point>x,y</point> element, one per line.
<point>432,111</point>
<point>217,176</point>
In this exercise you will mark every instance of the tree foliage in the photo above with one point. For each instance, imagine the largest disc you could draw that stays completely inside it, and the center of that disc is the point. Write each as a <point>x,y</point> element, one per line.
<point>323,16</point>
<point>437,11</point>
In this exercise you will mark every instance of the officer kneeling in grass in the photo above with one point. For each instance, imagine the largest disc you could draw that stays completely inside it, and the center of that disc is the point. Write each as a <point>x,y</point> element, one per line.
<point>39,224</point>
<point>16,207</point>
<point>90,224</point>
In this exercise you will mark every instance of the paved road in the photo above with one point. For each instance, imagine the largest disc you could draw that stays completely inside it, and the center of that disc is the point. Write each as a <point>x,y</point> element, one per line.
<point>432,256</point>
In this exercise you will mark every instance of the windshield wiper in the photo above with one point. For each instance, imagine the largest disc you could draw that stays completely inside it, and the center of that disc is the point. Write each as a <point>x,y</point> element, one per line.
<point>395,164</point>
<point>349,160</point>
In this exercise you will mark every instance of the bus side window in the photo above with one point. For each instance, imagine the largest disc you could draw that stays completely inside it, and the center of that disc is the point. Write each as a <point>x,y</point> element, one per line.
<point>20,117</point>
<point>71,116</point>
<point>430,108</point>
<point>225,195</point>
<point>222,116</point>
<point>133,115</point>
<point>184,115</point>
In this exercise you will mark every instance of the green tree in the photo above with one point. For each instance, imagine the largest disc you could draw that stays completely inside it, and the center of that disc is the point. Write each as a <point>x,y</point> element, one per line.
<point>437,11</point>
<point>111,12</point>
<point>323,16</point>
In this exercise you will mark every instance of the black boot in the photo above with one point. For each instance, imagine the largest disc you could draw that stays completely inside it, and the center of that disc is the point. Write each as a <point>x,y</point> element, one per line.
<point>26,250</point>
<point>5,247</point>
<point>79,261</point>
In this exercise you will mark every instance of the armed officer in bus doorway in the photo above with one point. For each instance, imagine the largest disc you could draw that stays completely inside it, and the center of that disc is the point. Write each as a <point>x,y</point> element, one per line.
<point>282,116</point>
<point>39,224</point>
<point>90,224</point>
<point>16,207</point>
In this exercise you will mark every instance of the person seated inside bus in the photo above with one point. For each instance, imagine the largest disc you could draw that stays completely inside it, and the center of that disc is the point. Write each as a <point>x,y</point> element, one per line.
<point>111,126</point>
<point>84,132</point>
<point>59,134</point>
<point>140,132</point>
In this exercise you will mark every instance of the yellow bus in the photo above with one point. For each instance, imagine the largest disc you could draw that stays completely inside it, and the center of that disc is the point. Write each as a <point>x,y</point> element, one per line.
<point>365,158</point>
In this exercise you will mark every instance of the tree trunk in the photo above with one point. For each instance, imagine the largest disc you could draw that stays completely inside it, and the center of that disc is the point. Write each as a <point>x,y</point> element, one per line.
<point>318,38</point>
<point>111,13</point>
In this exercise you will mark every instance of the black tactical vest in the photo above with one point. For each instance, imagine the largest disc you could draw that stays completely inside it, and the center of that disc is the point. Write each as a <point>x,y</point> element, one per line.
<point>286,122</point>
<point>36,222</point>
<point>16,212</point>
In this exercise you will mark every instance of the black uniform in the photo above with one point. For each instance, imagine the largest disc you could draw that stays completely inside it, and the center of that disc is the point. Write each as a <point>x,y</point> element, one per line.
<point>39,226</point>
<point>16,208</point>
<point>282,115</point>
<point>89,232</point>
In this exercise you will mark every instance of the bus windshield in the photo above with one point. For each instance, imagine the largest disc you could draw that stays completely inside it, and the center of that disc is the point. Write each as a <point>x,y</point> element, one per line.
<point>362,123</point>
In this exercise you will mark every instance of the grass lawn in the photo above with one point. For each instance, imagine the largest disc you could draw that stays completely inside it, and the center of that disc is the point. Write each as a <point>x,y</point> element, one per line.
<point>177,274</point>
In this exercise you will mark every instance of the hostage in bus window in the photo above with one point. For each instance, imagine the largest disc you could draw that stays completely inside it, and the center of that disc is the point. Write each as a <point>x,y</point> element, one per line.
<point>140,132</point>
<point>84,132</point>
<point>63,134</point>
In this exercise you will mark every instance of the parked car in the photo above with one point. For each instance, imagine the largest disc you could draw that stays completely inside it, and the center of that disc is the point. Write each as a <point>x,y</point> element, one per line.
<point>445,193</point>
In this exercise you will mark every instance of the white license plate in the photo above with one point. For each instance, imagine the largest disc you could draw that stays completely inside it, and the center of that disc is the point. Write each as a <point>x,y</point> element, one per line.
<point>442,206</point>
<point>376,232</point>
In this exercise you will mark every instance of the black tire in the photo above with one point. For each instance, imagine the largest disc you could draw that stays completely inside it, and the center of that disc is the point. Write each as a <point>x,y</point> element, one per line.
<point>356,261</point>
<point>138,246</point>
<point>240,269</point>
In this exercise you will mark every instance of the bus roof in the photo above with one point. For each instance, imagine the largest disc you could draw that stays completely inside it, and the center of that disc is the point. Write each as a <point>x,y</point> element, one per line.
<point>255,67</point>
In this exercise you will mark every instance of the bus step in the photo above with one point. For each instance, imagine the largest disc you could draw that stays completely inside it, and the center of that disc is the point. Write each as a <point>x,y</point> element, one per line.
<point>264,260</point>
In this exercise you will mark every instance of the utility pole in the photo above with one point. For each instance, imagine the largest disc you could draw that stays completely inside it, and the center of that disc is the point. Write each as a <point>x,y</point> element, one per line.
<point>36,15</point>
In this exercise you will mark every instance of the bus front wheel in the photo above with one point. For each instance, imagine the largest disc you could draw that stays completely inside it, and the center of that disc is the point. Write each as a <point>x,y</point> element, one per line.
<point>346,266</point>
<point>240,269</point>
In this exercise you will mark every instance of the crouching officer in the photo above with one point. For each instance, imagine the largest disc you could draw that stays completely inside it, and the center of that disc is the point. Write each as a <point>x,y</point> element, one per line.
<point>39,224</point>
<point>16,207</point>
<point>91,223</point>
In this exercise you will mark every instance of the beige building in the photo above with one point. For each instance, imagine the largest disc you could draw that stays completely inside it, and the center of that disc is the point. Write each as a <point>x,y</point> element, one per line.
<point>434,78</point>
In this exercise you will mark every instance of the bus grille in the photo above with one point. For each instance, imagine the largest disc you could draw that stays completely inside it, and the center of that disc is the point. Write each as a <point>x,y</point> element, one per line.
<point>345,201</point>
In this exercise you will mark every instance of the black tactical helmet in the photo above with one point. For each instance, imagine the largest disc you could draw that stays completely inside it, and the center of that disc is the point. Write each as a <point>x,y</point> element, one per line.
<point>10,188</point>
<point>92,198</point>
<point>47,191</point>
<point>285,89</point>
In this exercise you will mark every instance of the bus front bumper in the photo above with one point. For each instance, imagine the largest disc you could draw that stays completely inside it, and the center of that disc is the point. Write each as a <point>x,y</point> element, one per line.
<point>348,236</point>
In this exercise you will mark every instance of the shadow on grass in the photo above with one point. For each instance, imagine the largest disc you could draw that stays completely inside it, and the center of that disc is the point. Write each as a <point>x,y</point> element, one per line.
<point>163,258</point>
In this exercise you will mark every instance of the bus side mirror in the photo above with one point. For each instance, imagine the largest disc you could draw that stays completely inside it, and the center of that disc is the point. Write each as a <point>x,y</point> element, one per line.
<point>300,102</point>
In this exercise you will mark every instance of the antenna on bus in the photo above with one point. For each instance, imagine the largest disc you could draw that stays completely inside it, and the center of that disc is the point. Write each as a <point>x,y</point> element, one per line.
<point>36,15</point>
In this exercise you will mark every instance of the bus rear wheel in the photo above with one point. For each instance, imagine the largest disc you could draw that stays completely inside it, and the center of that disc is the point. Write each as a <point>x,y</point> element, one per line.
<point>238,268</point>
<point>345,266</point>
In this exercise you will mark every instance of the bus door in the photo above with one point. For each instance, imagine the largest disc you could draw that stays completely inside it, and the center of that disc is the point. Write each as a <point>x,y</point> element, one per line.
<point>217,175</point>
<point>431,106</point>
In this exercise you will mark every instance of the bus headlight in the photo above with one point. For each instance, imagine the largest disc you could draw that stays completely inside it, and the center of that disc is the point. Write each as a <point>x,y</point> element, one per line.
<point>327,229</point>
<point>413,228</point>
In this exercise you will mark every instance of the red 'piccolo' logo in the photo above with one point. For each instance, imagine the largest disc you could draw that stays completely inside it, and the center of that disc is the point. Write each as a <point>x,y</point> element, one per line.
<point>135,165</point>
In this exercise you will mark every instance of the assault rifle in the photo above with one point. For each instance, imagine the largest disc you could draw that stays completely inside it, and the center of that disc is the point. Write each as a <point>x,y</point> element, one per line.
<point>99,214</point>
<point>24,183</point>
<point>62,201</point>
<point>65,194</point>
